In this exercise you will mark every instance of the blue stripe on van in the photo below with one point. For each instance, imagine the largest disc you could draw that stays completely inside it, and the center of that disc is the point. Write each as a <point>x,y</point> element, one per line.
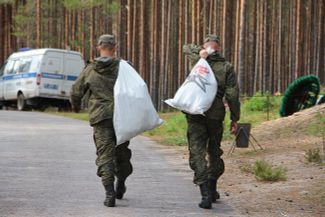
<point>18,76</point>
<point>53,76</point>
<point>44,75</point>
<point>72,78</point>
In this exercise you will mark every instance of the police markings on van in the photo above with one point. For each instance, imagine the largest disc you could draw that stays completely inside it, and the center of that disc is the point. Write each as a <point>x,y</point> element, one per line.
<point>39,78</point>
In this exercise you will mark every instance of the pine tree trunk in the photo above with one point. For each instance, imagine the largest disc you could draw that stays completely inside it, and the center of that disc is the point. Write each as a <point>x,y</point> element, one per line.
<point>130,30</point>
<point>2,24</point>
<point>91,34</point>
<point>241,45</point>
<point>122,30</point>
<point>38,24</point>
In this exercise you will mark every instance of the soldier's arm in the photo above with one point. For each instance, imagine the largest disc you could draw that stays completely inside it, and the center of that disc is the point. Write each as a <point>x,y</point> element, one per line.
<point>232,93</point>
<point>79,88</point>
<point>192,51</point>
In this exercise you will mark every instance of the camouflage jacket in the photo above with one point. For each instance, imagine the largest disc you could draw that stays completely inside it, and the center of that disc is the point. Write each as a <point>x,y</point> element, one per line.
<point>227,83</point>
<point>97,81</point>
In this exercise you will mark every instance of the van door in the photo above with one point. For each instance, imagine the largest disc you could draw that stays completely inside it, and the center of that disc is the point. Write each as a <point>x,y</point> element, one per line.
<point>73,65</point>
<point>10,79</point>
<point>52,76</point>
<point>27,83</point>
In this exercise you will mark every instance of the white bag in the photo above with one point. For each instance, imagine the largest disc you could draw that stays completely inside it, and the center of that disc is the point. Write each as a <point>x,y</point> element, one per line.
<point>198,91</point>
<point>134,112</point>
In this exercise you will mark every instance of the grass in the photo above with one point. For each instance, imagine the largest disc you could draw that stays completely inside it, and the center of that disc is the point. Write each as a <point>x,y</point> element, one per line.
<point>173,131</point>
<point>80,116</point>
<point>264,171</point>
<point>313,156</point>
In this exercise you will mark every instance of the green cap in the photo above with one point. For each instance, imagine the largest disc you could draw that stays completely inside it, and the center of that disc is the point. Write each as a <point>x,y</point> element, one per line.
<point>214,38</point>
<point>106,39</point>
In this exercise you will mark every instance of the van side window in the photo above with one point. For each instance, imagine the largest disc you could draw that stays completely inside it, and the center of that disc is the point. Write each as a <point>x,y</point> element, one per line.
<point>35,64</point>
<point>24,65</point>
<point>2,69</point>
<point>16,67</point>
<point>9,67</point>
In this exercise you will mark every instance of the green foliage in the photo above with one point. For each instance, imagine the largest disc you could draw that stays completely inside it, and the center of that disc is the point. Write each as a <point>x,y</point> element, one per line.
<point>114,7</point>
<point>20,21</point>
<point>260,102</point>
<point>313,155</point>
<point>173,131</point>
<point>75,5</point>
<point>7,2</point>
<point>263,171</point>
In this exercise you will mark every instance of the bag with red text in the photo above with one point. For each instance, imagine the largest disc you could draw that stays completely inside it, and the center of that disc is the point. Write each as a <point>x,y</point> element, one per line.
<point>198,91</point>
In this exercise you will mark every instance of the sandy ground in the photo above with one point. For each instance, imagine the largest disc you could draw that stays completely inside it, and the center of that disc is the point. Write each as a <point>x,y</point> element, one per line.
<point>302,194</point>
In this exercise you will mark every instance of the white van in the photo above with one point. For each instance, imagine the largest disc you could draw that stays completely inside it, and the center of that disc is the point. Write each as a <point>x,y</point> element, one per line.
<point>39,78</point>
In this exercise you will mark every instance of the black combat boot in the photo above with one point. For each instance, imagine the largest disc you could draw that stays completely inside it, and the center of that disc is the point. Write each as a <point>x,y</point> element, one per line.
<point>110,195</point>
<point>205,202</point>
<point>214,194</point>
<point>120,189</point>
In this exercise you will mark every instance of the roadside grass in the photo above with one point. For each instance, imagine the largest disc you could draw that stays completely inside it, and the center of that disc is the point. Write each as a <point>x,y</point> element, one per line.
<point>313,156</point>
<point>80,116</point>
<point>173,131</point>
<point>264,171</point>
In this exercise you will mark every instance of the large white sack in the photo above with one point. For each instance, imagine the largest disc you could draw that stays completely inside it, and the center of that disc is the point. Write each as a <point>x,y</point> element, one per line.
<point>198,91</point>
<point>134,112</point>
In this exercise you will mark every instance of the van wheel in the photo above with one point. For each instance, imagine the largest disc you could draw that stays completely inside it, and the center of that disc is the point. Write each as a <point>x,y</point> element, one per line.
<point>21,102</point>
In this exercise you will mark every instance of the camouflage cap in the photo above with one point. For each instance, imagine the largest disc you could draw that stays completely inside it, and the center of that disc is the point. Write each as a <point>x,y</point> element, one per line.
<point>214,38</point>
<point>106,39</point>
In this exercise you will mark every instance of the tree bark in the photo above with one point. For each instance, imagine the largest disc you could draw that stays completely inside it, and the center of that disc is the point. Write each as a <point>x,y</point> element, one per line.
<point>38,23</point>
<point>241,62</point>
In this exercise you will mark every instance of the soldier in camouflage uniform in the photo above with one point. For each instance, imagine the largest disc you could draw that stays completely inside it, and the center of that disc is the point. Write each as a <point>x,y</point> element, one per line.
<point>97,82</point>
<point>205,132</point>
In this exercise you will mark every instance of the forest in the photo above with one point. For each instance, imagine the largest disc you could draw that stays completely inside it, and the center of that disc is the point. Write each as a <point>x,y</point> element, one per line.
<point>270,42</point>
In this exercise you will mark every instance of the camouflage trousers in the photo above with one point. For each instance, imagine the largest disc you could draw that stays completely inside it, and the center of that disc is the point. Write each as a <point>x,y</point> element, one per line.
<point>111,160</point>
<point>204,140</point>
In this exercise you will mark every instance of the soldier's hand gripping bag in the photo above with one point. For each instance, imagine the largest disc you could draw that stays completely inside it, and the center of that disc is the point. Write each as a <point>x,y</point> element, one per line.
<point>134,112</point>
<point>198,91</point>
